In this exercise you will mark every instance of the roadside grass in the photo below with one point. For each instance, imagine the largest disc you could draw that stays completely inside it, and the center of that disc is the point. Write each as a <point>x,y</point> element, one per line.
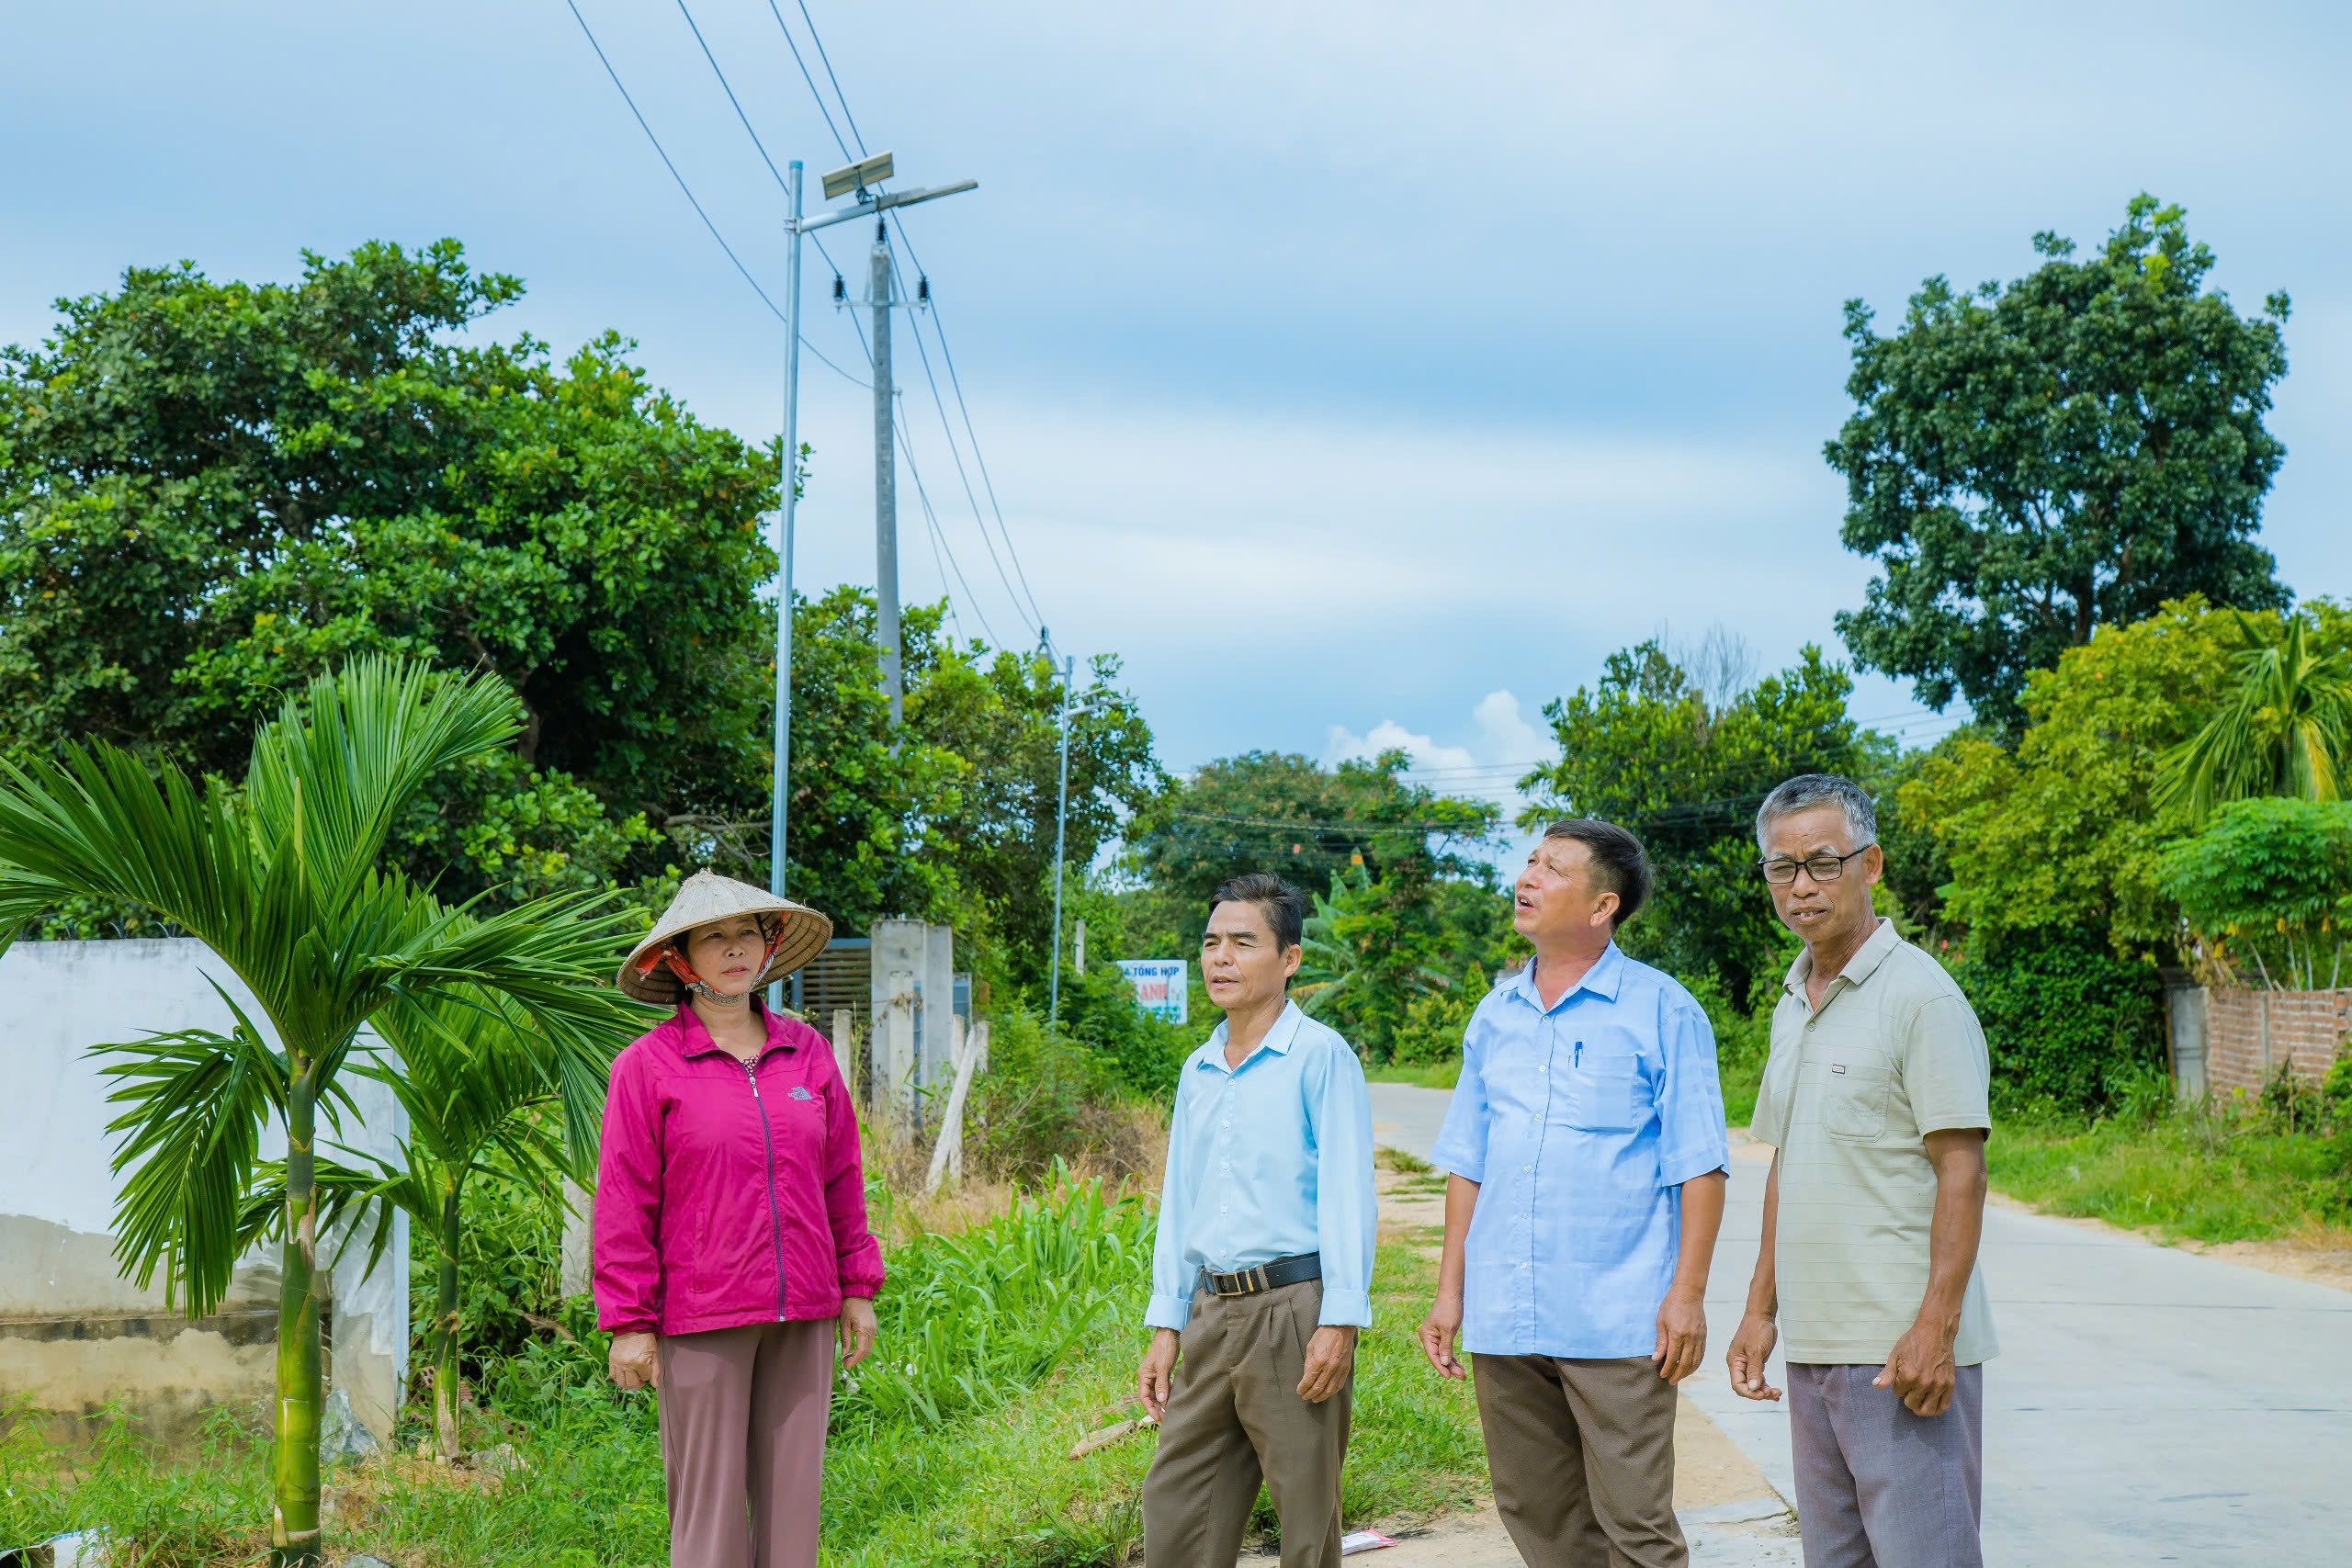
<point>1002,1346</point>
<point>1420,1075</point>
<point>2197,1175</point>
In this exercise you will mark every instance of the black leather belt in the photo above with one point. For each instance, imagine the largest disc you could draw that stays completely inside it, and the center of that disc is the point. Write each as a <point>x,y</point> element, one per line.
<point>1265,1275</point>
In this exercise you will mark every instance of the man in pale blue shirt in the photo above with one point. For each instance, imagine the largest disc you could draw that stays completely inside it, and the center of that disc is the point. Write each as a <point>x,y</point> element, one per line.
<point>1587,1160</point>
<point>1263,1261</point>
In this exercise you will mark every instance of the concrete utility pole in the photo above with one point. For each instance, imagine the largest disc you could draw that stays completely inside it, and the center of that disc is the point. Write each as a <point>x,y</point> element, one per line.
<point>782,778</point>
<point>886,483</point>
<point>851,179</point>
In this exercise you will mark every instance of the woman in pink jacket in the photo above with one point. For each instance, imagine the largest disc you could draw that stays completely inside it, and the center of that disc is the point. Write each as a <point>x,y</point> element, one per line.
<point>730,1240</point>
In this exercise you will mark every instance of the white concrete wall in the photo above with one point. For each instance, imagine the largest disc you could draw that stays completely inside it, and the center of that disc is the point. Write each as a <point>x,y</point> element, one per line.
<point>72,1331</point>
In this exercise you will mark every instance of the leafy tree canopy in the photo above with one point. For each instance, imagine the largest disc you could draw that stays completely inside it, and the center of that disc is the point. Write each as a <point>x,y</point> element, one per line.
<point>1646,750</point>
<point>2268,887</point>
<point>1285,813</point>
<point>211,491</point>
<point>2064,834</point>
<point>2028,463</point>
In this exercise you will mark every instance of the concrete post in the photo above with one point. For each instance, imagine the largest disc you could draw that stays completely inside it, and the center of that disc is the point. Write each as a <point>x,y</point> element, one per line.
<point>845,1049</point>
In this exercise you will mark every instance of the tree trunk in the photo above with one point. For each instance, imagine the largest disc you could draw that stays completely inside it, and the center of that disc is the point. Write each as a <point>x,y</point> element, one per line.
<point>445,1430</point>
<point>294,1523</point>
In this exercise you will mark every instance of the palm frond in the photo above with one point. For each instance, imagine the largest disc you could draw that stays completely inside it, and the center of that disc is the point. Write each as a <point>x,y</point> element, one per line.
<point>330,772</point>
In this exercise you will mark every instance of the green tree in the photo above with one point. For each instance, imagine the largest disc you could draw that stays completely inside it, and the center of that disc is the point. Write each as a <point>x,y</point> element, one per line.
<point>2268,881</point>
<point>1285,813</point>
<point>281,879</point>
<point>2028,463</point>
<point>211,491</point>
<point>1645,749</point>
<point>2285,729</point>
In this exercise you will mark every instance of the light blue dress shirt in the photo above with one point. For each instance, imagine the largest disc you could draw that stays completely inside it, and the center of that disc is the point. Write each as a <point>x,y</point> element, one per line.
<point>1581,1122</point>
<point>1267,1160</point>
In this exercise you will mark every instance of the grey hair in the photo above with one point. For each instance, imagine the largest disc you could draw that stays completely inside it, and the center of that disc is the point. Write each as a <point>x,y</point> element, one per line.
<point>1807,790</point>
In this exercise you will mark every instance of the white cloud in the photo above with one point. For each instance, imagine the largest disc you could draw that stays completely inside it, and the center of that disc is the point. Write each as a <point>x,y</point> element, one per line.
<point>1502,748</point>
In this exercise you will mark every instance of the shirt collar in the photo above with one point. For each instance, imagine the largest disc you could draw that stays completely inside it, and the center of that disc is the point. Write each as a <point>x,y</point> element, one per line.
<point>1603,979</point>
<point>1873,951</point>
<point>1279,1039</point>
<point>694,1040</point>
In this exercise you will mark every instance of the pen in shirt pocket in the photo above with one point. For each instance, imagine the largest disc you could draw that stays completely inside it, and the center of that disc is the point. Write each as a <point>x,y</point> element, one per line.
<point>1577,1060</point>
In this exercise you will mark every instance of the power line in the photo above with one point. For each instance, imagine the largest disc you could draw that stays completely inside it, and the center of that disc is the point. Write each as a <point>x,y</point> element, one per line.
<point>687,191</point>
<point>790,44</point>
<point>818,39</point>
<point>682,188</point>
<point>938,330</point>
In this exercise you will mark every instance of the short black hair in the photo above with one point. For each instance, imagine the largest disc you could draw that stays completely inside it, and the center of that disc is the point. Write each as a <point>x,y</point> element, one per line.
<point>1283,906</point>
<point>1617,859</point>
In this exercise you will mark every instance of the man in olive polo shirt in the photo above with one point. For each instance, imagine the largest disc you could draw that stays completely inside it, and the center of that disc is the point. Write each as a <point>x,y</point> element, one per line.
<point>1874,1101</point>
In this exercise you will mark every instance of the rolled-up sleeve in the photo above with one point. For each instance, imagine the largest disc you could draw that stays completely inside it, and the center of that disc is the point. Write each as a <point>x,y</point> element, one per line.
<point>1171,1292</point>
<point>1347,1205</point>
<point>1461,1146</point>
<point>1691,1138</point>
<point>857,1256</point>
<point>627,1226</point>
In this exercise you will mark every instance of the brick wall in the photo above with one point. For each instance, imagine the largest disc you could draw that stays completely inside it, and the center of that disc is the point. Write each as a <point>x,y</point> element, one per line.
<point>2250,1035</point>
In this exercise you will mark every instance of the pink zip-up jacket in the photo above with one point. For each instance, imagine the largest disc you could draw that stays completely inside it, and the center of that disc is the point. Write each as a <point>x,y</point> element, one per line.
<point>728,1194</point>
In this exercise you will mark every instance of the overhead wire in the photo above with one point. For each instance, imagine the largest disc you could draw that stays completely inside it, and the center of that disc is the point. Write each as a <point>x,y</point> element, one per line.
<point>931,519</point>
<point>687,191</point>
<point>1026,597</point>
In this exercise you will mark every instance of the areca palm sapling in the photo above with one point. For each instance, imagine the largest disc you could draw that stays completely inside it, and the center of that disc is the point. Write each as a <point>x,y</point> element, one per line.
<point>475,1079</point>
<point>281,879</point>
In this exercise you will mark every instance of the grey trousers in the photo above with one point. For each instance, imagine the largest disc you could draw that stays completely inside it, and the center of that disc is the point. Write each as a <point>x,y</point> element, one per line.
<point>1582,1455</point>
<point>1235,1416</point>
<point>1879,1487</point>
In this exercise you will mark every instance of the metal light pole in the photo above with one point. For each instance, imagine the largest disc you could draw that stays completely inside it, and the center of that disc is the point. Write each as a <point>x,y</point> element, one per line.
<point>779,802</point>
<point>1062,832</point>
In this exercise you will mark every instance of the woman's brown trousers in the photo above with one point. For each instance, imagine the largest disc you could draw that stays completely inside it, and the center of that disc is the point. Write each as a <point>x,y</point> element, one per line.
<point>744,1431</point>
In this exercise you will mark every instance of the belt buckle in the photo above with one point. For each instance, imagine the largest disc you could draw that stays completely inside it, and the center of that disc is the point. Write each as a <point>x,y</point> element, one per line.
<point>1219,1282</point>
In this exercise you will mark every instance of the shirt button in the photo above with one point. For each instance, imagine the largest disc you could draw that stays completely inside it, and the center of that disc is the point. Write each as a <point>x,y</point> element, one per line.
<point>1527,1167</point>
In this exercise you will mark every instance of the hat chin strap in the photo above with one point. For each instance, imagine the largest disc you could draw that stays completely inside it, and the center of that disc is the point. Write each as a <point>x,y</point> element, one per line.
<point>694,983</point>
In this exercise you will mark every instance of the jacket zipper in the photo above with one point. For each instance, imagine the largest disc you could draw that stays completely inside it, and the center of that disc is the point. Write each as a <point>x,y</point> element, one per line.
<point>776,1218</point>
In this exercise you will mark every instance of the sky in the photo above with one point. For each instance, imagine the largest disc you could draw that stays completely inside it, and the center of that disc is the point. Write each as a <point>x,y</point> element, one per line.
<point>1360,374</point>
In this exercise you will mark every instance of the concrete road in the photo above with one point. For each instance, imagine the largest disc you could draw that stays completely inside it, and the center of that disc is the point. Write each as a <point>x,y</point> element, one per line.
<point>2149,1405</point>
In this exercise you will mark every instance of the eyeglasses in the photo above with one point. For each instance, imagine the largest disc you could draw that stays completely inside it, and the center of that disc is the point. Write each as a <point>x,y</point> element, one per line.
<point>1821,868</point>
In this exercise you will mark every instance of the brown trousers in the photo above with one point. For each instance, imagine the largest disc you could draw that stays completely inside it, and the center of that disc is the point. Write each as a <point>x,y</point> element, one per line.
<point>1582,1455</point>
<point>1234,1417</point>
<point>743,1428</point>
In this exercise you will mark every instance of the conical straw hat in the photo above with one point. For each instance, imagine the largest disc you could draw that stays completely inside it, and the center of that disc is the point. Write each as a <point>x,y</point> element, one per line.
<point>706,896</point>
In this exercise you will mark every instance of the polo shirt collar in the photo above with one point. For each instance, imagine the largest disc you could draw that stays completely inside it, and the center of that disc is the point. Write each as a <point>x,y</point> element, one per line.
<point>1859,969</point>
<point>1603,979</point>
<point>1279,1039</point>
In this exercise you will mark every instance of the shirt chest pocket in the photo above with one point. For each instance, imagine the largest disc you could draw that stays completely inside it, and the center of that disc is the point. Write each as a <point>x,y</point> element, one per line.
<point>1854,1097</point>
<point>1604,1093</point>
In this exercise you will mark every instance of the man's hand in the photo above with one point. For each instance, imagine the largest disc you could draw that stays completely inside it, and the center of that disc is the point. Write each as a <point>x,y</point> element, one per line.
<point>856,1330</point>
<point>632,1361</point>
<point>1331,1356</point>
<point>1681,1335</point>
<point>1920,1371</point>
<point>1751,1345</point>
<point>1159,1367</point>
<point>1438,1332</point>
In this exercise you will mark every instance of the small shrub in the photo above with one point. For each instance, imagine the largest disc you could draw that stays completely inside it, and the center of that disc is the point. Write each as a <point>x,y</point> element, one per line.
<point>2068,1023</point>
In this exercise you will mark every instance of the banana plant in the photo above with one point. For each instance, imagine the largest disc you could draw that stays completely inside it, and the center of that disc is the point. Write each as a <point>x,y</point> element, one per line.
<point>280,877</point>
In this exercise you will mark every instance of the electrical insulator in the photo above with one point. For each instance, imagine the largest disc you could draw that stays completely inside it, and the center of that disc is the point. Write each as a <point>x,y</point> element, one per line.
<point>922,291</point>
<point>841,289</point>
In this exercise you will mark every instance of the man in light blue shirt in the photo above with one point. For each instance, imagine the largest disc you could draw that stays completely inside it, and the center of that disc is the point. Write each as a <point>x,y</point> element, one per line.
<point>1586,1154</point>
<point>1263,1261</point>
